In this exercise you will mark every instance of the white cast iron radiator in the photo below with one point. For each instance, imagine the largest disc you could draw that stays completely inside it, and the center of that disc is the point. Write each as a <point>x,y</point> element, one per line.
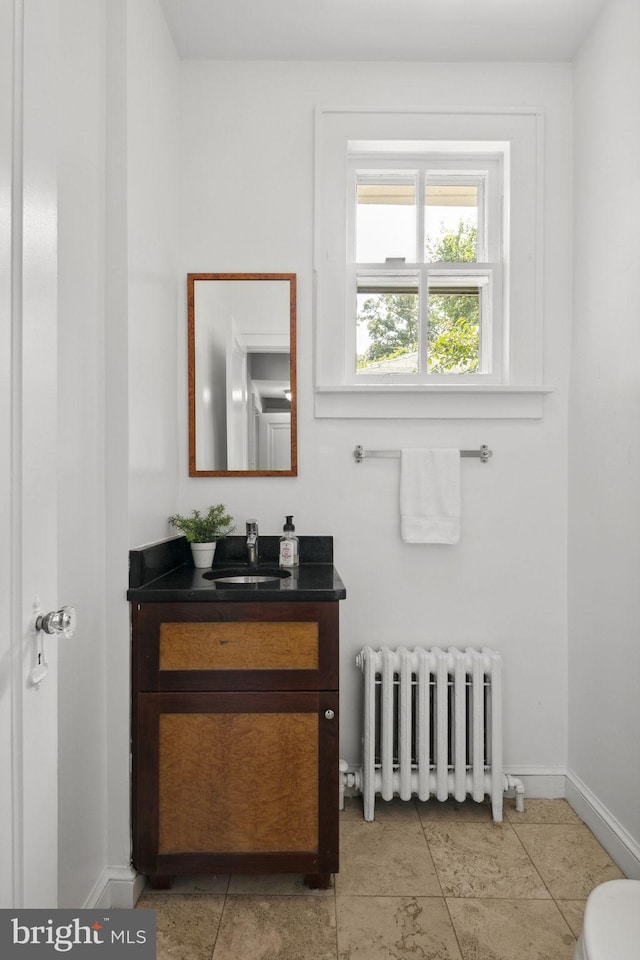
<point>432,725</point>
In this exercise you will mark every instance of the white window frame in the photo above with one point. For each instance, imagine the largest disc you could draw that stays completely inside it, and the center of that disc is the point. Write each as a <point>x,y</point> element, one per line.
<point>515,386</point>
<point>433,163</point>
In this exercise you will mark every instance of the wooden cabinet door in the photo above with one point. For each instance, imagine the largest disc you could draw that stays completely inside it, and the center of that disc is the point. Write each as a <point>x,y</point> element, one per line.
<point>237,781</point>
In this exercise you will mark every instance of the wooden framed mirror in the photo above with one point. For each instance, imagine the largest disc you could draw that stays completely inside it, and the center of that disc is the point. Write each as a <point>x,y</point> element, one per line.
<point>242,374</point>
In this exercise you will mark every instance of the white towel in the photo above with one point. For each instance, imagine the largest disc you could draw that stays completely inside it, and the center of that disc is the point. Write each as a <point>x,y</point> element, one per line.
<point>430,496</point>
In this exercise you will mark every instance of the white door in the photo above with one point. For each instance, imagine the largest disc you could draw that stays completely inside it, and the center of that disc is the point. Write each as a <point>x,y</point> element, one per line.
<point>28,424</point>
<point>275,441</point>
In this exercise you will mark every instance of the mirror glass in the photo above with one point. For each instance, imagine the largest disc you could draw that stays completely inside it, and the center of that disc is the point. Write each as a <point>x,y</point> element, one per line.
<point>242,374</point>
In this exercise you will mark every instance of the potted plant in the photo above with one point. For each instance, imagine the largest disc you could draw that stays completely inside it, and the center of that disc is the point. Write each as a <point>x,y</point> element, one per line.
<point>203,530</point>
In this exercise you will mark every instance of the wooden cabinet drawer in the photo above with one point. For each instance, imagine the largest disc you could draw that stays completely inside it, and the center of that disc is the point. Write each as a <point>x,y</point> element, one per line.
<point>263,645</point>
<point>235,646</point>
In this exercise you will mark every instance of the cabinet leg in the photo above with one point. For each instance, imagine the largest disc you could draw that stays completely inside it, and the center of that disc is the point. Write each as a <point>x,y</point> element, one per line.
<point>318,881</point>
<point>158,882</point>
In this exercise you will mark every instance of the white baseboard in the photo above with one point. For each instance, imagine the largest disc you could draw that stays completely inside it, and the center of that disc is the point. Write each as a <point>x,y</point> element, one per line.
<point>116,887</point>
<point>540,783</point>
<point>616,840</point>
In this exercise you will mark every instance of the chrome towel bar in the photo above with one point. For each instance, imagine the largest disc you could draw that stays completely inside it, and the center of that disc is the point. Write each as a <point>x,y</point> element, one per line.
<point>360,454</point>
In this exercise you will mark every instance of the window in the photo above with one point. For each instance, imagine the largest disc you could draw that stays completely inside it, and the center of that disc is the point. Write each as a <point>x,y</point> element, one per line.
<point>427,267</point>
<point>424,263</point>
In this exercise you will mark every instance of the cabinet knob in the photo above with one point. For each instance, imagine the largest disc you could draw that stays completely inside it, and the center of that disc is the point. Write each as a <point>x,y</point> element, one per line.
<point>329,714</point>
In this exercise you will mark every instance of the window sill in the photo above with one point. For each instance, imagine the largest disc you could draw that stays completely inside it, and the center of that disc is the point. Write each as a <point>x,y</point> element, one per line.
<point>432,401</point>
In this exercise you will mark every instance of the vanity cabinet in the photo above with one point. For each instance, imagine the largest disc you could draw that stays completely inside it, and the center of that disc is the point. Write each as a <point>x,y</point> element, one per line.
<point>235,738</point>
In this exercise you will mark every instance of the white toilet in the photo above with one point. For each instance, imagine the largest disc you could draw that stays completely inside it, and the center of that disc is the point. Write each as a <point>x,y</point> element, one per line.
<point>611,926</point>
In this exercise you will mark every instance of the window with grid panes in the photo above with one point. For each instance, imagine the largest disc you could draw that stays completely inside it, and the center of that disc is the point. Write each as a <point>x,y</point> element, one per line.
<point>424,265</point>
<point>427,264</point>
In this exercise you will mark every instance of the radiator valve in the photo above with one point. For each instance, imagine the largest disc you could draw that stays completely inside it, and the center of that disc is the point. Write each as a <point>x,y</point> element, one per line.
<point>347,779</point>
<point>514,783</point>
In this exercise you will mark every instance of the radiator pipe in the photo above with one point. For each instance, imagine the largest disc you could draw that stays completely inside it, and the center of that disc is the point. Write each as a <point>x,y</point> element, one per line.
<point>347,778</point>
<point>352,779</point>
<point>514,783</point>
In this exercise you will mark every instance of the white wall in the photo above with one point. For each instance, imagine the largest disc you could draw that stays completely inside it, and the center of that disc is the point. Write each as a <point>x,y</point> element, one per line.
<point>117,335</point>
<point>152,99</point>
<point>604,487</point>
<point>246,197</point>
<point>81,466</point>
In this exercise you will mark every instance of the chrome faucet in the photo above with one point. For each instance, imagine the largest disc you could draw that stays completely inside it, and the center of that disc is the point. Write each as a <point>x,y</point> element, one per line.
<point>252,543</point>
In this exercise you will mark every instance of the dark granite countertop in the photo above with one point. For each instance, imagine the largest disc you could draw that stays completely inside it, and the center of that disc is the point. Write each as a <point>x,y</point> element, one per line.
<point>165,572</point>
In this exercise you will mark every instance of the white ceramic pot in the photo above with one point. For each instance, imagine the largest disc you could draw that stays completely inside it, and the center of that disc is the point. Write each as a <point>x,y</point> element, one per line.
<point>202,554</point>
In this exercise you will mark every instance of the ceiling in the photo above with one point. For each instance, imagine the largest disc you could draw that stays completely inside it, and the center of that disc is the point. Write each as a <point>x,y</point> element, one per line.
<point>398,30</point>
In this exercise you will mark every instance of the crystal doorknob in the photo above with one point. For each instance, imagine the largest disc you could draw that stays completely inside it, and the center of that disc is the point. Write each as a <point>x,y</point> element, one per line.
<point>60,622</point>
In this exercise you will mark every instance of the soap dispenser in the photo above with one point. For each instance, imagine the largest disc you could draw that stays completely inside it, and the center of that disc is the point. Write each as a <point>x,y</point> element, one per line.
<point>289,556</point>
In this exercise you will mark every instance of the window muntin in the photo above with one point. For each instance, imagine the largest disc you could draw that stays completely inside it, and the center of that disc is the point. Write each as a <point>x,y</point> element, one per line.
<point>438,323</point>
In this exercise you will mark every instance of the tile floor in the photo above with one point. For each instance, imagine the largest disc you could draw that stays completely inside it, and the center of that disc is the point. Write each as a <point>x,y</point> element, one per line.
<point>424,881</point>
